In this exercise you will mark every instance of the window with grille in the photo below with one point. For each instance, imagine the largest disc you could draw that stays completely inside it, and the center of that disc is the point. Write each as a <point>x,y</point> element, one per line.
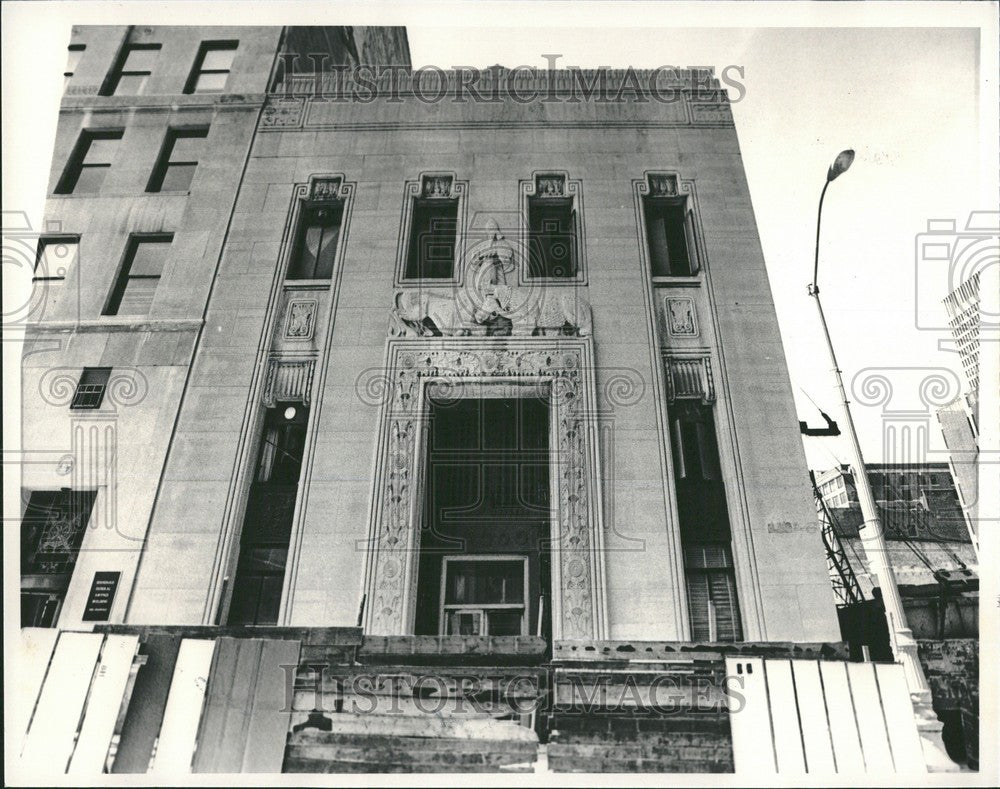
<point>52,532</point>
<point>433,236</point>
<point>140,273</point>
<point>90,161</point>
<point>134,68</point>
<point>711,588</point>
<point>73,55</point>
<point>211,67</point>
<point>670,237</point>
<point>175,168</point>
<point>316,244</point>
<point>90,388</point>
<point>55,256</point>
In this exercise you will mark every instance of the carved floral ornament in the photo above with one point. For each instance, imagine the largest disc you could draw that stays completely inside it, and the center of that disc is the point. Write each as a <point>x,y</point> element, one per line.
<point>322,189</point>
<point>550,186</point>
<point>662,185</point>
<point>490,302</point>
<point>437,186</point>
<point>395,533</point>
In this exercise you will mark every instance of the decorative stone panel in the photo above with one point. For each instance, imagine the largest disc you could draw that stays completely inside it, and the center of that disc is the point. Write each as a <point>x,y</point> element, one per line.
<point>681,316</point>
<point>300,319</point>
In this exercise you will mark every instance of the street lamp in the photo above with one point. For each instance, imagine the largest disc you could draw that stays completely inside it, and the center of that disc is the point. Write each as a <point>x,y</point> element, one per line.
<point>901,640</point>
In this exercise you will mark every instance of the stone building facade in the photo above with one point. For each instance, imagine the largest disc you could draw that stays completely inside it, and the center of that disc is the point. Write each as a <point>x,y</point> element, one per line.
<point>387,368</point>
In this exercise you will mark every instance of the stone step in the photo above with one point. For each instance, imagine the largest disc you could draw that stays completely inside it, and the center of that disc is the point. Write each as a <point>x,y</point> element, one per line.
<point>319,766</point>
<point>572,757</point>
<point>417,726</point>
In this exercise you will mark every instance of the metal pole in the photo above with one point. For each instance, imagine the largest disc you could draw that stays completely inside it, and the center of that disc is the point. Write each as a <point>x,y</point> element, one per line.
<point>901,641</point>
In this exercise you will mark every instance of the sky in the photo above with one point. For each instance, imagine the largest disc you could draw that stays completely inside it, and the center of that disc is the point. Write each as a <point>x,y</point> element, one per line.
<point>911,101</point>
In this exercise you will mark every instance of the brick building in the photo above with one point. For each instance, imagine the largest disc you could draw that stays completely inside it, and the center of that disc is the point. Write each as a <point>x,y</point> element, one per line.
<point>379,373</point>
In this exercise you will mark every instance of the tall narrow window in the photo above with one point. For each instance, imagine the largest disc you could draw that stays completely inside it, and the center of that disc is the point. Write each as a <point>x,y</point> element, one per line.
<point>91,387</point>
<point>55,256</point>
<point>702,508</point>
<point>669,229</point>
<point>212,66</point>
<point>433,231</point>
<point>52,532</point>
<point>316,244</point>
<point>73,55</point>
<point>711,587</point>
<point>267,526</point>
<point>182,150</point>
<point>89,163</point>
<point>139,275</point>
<point>134,68</point>
<point>552,230</point>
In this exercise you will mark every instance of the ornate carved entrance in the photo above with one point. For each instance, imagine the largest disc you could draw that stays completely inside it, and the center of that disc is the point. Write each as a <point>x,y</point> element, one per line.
<point>477,367</point>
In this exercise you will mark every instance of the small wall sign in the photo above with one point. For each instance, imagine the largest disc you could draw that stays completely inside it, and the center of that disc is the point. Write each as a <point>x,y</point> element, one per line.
<point>102,595</point>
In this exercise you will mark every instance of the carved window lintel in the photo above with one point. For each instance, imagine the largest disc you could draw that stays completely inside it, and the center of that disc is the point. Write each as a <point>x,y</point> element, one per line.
<point>690,379</point>
<point>288,380</point>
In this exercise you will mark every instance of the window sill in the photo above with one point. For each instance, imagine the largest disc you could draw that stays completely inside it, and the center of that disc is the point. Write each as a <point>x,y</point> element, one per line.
<point>166,193</point>
<point>307,284</point>
<point>115,195</point>
<point>686,281</point>
<point>429,282</point>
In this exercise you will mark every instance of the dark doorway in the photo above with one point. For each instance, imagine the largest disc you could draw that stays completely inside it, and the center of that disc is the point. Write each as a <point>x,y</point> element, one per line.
<point>484,555</point>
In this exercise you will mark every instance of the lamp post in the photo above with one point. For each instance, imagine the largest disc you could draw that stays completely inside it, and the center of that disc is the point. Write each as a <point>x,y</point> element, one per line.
<point>901,641</point>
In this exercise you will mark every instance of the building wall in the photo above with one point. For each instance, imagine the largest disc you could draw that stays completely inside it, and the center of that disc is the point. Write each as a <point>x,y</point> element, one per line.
<point>377,147</point>
<point>119,449</point>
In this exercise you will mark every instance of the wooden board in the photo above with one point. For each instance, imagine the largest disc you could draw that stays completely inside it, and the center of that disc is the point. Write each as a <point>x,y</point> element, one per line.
<point>36,647</point>
<point>840,711</point>
<point>907,753</point>
<point>103,705</point>
<point>270,713</point>
<point>175,747</point>
<point>753,747</point>
<point>812,714</point>
<point>784,716</point>
<point>49,743</point>
<point>871,721</point>
<point>145,710</point>
<point>225,706</point>
<point>244,727</point>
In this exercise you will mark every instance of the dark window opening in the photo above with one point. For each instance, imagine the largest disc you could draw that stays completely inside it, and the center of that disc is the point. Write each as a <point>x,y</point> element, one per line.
<point>89,163</point>
<point>433,232</point>
<point>52,532</point>
<point>485,519</point>
<point>316,245</point>
<point>669,236</point>
<point>135,287</point>
<point>73,55</point>
<point>54,257</point>
<point>552,229</point>
<point>211,67</point>
<point>267,525</point>
<point>178,161</point>
<point>704,523</point>
<point>132,72</point>
<point>91,387</point>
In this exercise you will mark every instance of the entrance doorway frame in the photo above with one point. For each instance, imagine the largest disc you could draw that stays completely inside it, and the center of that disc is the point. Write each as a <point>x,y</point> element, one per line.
<point>476,367</point>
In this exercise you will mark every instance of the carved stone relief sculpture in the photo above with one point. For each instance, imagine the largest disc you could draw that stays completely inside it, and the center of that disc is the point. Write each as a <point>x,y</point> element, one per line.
<point>490,303</point>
